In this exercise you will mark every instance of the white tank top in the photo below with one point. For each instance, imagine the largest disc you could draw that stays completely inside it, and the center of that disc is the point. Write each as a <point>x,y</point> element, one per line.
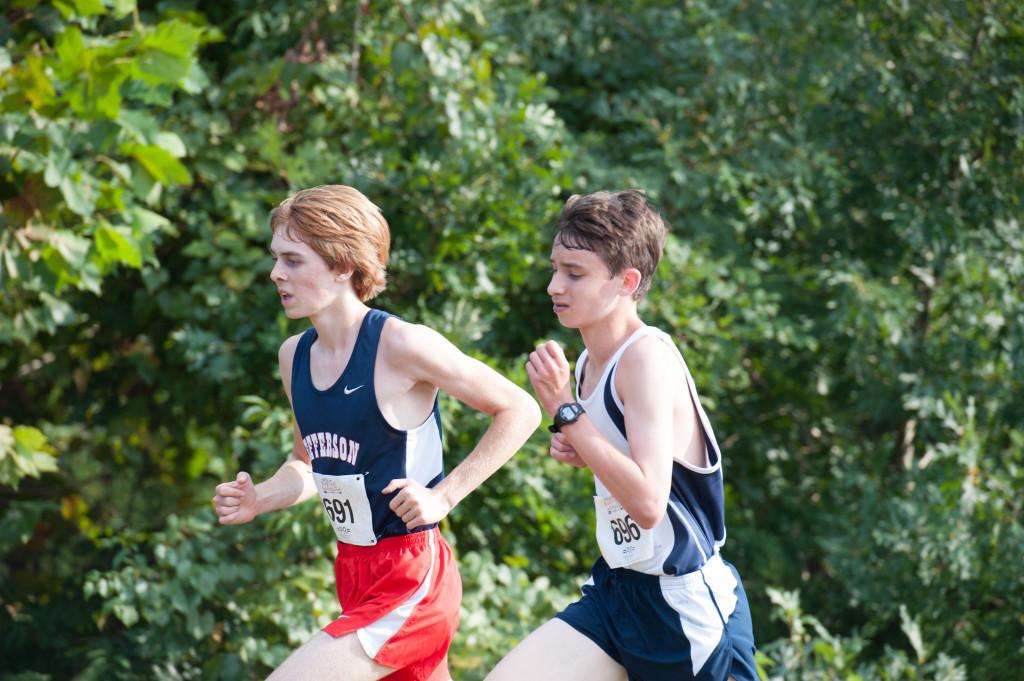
<point>693,528</point>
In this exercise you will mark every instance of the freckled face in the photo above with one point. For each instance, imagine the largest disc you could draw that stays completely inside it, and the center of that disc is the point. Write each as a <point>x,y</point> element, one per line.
<point>304,281</point>
<point>582,289</point>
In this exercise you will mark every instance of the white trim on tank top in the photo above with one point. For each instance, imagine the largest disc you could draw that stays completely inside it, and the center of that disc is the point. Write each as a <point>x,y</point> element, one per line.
<point>612,365</point>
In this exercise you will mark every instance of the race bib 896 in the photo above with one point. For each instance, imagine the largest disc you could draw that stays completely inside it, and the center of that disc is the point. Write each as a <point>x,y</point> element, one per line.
<point>622,541</point>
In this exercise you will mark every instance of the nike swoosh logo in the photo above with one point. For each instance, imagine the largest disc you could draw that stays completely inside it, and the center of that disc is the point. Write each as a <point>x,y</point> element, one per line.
<point>349,392</point>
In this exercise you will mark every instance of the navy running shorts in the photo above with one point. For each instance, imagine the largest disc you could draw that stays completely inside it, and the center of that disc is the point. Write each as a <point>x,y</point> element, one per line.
<point>662,628</point>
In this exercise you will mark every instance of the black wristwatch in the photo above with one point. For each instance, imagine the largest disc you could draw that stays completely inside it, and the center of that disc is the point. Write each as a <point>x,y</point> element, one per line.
<point>570,412</point>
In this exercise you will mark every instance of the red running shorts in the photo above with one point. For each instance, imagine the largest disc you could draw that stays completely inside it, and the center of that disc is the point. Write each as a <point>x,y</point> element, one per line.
<point>401,598</point>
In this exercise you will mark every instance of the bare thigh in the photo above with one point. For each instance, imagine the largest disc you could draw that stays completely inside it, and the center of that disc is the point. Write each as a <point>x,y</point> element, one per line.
<point>557,651</point>
<point>325,658</point>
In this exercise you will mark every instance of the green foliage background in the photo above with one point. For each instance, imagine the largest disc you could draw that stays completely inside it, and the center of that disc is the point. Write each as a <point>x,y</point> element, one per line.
<point>845,276</point>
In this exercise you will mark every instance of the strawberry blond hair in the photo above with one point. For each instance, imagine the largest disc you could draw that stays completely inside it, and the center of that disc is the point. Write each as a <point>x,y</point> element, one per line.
<point>344,228</point>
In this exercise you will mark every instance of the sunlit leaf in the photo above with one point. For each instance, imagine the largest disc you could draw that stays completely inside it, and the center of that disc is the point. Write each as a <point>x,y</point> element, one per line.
<point>159,163</point>
<point>115,245</point>
<point>89,7</point>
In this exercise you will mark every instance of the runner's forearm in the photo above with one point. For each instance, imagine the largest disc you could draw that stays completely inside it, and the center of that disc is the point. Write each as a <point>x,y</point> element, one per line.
<point>623,477</point>
<point>290,485</point>
<point>509,429</point>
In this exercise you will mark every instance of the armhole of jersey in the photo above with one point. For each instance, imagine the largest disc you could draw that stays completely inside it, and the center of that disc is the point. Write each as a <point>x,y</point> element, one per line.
<point>581,370</point>
<point>300,347</point>
<point>436,415</point>
<point>613,406</point>
<point>710,443</point>
<point>614,392</point>
<point>376,358</point>
<point>642,332</point>
<point>433,415</point>
<point>617,410</point>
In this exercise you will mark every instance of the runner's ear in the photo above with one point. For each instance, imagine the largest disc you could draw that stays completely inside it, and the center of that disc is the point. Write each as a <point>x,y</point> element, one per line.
<point>631,279</point>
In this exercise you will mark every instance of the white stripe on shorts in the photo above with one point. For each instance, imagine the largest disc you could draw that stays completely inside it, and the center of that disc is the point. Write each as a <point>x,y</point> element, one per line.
<point>701,622</point>
<point>375,634</point>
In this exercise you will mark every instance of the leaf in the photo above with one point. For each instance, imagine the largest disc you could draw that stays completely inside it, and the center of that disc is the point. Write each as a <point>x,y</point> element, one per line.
<point>87,8</point>
<point>158,67</point>
<point>24,452</point>
<point>71,247</point>
<point>196,81</point>
<point>79,195</point>
<point>66,10</point>
<point>29,439</point>
<point>159,163</point>
<point>171,143</point>
<point>146,221</point>
<point>10,265</point>
<point>912,628</point>
<point>127,613</point>
<point>122,8</point>
<point>59,311</point>
<point>43,463</point>
<point>58,165</point>
<point>37,87</point>
<point>140,124</point>
<point>98,95</point>
<point>114,245</point>
<point>69,48</point>
<point>174,37</point>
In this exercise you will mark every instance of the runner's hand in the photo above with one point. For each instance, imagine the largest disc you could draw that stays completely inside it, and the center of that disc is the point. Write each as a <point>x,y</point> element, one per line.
<point>562,451</point>
<point>235,501</point>
<point>415,504</point>
<point>548,370</point>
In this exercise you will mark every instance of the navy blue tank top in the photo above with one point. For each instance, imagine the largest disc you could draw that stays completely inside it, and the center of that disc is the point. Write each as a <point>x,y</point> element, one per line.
<point>346,434</point>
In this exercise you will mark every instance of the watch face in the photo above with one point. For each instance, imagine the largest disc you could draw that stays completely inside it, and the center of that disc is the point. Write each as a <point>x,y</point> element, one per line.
<point>566,412</point>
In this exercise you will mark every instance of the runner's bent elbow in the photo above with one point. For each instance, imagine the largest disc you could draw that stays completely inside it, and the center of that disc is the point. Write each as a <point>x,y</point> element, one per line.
<point>647,516</point>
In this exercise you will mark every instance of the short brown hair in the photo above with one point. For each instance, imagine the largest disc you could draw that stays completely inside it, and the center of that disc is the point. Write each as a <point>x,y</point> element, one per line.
<point>344,228</point>
<point>620,227</point>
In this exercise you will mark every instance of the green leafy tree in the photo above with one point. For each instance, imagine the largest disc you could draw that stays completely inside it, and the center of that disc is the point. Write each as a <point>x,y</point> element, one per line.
<point>845,279</point>
<point>846,275</point>
<point>138,388</point>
